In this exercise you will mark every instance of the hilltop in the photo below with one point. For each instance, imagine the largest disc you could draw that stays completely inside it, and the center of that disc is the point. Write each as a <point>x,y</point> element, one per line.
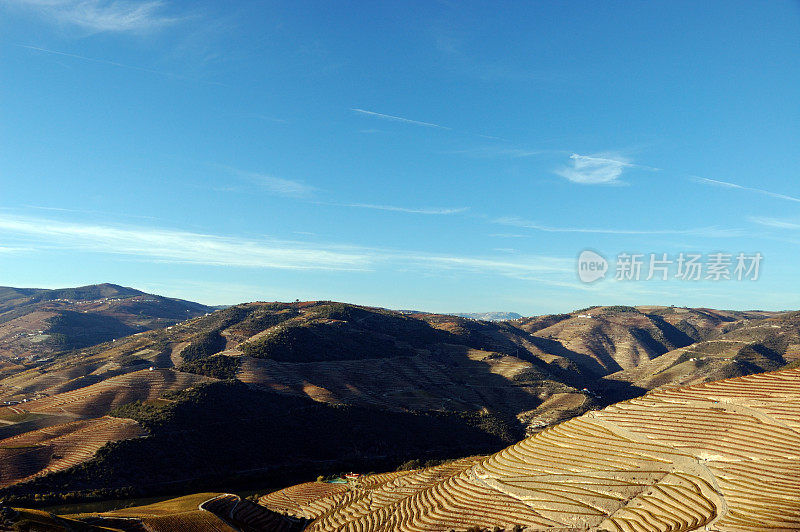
<point>335,353</point>
<point>604,340</point>
<point>37,323</point>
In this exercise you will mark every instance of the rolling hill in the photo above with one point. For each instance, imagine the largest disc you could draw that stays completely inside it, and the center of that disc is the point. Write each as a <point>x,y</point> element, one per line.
<point>738,348</point>
<point>225,432</point>
<point>604,340</point>
<point>36,323</point>
<point>339,354</point>
<point>342,372</point>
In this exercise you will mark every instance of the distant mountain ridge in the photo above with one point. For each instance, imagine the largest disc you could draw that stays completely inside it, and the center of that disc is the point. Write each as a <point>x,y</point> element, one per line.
<point>38,322</point>
<point>96,291</point>
<point>490,316</point>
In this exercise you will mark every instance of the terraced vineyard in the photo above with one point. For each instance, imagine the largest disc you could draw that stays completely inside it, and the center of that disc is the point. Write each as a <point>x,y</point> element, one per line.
<point>455,380</point>
<point>250,517</point>
<point>59,447</point>
<point>722,456</point>
<point>99,398</point>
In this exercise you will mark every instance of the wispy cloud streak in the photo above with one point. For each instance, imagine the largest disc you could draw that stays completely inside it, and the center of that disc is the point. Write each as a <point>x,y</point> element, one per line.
<point>275,185</point>
<point>433,210</point>
<point>397,118</point>
<point>501,152</point>
<point>699,231</point>
<point>726,184</point>
<point>774,222</point>
<point>117,64</point>
<point>118,16</point>
<point>182,246</point>
<point>168,245</point>
<point>532,265</point>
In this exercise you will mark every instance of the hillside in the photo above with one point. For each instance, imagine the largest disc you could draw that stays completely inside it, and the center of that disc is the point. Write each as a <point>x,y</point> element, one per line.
<point>467,386</point>
<point>225,432</point>
<point>59,447</point>
<point>604,340</point>
<point>719,456</point>
<point>38,323</point>
<point>470,386</point>
<point>738,348</point>
<point>339,354</point>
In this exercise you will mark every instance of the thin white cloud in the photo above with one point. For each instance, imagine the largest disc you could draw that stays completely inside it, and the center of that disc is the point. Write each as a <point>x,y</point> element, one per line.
<point>298,189</point>
<point>509,235</point>
<point>539,268</point>
<point>7,249</point>
<point>182,246</point>
<point>699,231</point>
<point>397,118</point>
<point>433,210</point>
<point>726,184</point>
<point>774,222</point>
<point>169,245</point>
<point>119,65</point>
<point>92,212</point>
<point>275,185</point>
<point>553,271</point>
<point>283,187</point>
<point>91,59</point>
<point>502,152</point>
<point>598,169</point>
<point>112,16</point>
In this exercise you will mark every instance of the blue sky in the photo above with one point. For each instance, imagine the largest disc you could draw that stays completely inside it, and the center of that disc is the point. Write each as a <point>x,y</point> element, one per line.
<point>444,156</point>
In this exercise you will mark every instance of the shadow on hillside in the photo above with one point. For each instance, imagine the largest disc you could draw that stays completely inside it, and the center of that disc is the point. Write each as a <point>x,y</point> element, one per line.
<point>611,391</point>
<point>474,383</point>
<point>584,362</point>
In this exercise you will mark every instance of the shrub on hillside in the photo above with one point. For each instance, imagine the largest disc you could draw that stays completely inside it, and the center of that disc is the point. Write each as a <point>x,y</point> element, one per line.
<point>204,345</point>
<point>412,330</point>
<point>322,342</point>
<point>262,320</point>
<point>218,366</point>
<point>620,308</point>
<point>222,319</point>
